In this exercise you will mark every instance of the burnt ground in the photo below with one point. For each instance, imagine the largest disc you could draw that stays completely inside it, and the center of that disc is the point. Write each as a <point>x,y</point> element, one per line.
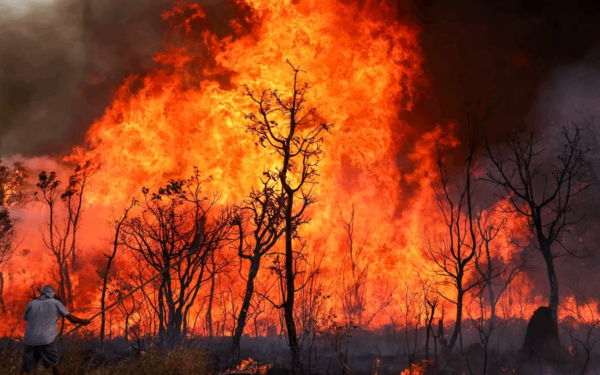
<point>385,351</point>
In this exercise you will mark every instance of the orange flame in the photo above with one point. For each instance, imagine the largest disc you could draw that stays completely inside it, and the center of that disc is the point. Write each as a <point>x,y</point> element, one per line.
<point>364,67</point>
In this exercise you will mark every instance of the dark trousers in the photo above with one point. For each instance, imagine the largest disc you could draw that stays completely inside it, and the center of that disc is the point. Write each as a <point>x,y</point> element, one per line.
<point>32,355</point>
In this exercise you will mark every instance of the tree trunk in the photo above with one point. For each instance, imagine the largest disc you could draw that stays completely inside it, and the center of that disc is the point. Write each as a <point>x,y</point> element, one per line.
<point>209,322</point>
<point>457,325</point>
<point>429,321</point>
<point>288,307</point>
<point>2,305</point>
<point>241,322</point>
<point>492,322</point>
<point>127,329</point>
<point>68,285</point>
<point>553,303</point>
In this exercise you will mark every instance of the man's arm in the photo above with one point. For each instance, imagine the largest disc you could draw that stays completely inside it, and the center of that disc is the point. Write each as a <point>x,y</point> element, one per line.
<point>74,319</point>
<point>25,314</point>
<point>70,317</point>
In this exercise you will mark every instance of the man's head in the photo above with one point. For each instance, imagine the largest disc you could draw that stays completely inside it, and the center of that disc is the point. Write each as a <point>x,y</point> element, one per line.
<point>48,291</point>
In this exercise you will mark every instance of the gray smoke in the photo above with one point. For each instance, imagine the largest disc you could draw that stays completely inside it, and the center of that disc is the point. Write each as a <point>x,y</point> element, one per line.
<point>61,60</point>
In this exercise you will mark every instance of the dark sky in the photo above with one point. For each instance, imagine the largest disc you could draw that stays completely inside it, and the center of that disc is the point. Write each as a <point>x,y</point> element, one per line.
<point>59,63</point>
<point>500,53</point>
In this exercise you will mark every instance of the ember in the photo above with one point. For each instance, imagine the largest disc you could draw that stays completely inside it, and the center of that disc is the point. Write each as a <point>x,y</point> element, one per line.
<point>250,366</point>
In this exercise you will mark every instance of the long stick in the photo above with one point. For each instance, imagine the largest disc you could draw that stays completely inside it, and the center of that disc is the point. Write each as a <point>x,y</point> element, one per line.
<point>193,249</point>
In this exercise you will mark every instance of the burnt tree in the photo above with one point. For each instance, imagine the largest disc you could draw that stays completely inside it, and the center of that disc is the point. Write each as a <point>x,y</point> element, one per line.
<point>542,189</point>
<point>11,181</point>
<point>496,273</point>
<point>263,212</point>
<point>173,221</point>
<point>354,293</point>
<point>8,248</point>
<point>104,274</point>
<point>64,213</point>
<point>294,133</point>
<point>455,252</point>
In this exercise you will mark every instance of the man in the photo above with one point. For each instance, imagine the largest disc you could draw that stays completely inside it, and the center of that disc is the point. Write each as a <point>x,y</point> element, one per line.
<point>42,316</point>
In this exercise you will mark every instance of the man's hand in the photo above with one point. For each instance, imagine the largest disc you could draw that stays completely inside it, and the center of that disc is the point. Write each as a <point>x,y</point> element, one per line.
<point>74,319</point>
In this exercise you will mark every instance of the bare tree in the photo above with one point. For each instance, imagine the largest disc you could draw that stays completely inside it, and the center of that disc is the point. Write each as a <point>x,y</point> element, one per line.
<point>104,274</point>
<point>175,220</point>
<point>118,293</point>
<point>430,303</point>
<point>11,181</point>
<point>263,212</point>
<point>454,254</point>
<point>354,285</point>
<point>588,319</point>
<point>73,197</point>
<point>8,249</point>
<point>295,134</point>
<point>543,191</point>
<point>61,231</point>
<point>494,271</point>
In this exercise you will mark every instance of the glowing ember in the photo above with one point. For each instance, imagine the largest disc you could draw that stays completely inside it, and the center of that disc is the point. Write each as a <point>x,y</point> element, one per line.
<point>415,369</point>
<point>250,366</point>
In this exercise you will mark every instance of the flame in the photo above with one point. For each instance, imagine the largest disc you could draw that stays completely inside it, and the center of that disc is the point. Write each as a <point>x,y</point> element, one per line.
<point>250,366</point>
<point>416,369</point>
<point>364,67</point>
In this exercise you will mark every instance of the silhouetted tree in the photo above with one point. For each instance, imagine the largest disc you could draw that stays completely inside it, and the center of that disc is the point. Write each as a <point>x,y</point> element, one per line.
<point>104,274</point>
<point>263,212</point>
<point>496,274</point>
<point>294,132</point>
<point>454,254</point>
<point>61,233</point>
<point>354,298</point>
<point>11,181</point>
<point>543,190</point>
<point>163,234</point>
<point>8,249</point>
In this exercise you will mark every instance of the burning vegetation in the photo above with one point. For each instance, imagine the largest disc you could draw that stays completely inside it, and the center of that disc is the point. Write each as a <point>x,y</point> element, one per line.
<point>245,197</point>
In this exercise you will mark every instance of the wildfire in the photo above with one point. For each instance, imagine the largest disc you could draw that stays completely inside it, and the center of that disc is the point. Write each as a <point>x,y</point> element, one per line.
<point>363,66</point>
<point>415,369</point>
<point>250,366</point>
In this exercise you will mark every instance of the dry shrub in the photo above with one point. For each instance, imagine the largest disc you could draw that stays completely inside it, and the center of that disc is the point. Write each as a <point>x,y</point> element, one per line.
<point>177,362</point>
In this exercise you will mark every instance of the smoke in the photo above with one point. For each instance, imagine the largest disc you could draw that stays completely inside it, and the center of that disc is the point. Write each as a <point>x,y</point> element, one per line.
<point>61,59</point>
<point>569,95</point>
<point>570,92</point>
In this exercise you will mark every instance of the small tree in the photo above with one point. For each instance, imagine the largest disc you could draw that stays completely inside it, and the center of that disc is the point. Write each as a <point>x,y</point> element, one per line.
<point>454,254</point>
<point>495,272</point>
<point>354,296</point>
<point>8,249</point>
<point>263,212</point>
<point>104,274</point>
<point>173,221</point>
<point>61,230</point>
<point>543,191</point>
<point>588,319</point>
<point>294,133</point>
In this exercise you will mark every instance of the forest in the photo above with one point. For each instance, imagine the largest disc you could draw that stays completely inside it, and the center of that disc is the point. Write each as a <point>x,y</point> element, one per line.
<point>268,197</point>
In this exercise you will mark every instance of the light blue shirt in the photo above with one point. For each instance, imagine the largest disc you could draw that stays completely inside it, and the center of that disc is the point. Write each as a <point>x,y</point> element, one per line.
<point>42,316</point>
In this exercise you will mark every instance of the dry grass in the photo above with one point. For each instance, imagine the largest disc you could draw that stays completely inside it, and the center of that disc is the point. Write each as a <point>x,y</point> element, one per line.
<point>177,362</point>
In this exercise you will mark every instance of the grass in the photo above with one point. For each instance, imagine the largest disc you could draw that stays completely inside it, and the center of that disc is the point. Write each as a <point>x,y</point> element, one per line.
<point>77,362</point>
